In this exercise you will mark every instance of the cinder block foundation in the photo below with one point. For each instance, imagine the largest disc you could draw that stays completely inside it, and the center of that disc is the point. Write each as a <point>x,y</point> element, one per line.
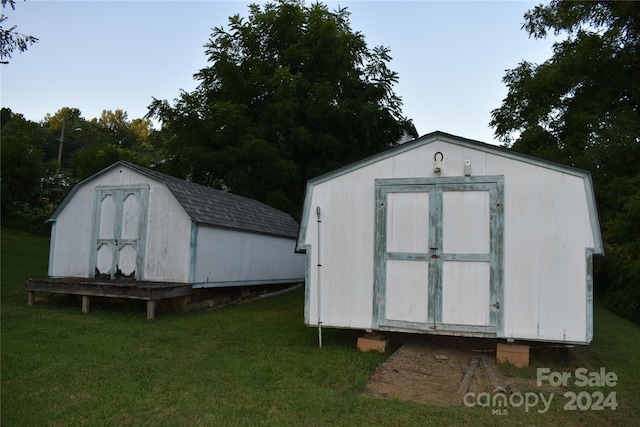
<point>372,342</point>
<point>516,354</point>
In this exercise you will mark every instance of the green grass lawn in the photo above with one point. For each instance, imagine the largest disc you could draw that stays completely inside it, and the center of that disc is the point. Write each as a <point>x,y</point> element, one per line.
<point>253,364</point>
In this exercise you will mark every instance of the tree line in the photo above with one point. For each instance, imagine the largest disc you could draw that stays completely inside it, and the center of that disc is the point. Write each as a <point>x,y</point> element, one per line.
<point>41,161</point>
<point>292,92</point>
<point>581,108</point>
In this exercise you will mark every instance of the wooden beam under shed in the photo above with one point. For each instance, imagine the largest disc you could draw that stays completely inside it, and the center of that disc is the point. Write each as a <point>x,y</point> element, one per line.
<point>151,292</point>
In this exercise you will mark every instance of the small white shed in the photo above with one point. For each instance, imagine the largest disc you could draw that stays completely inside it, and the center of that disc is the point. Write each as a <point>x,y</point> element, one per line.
<point>446,235</point>
<point>130,222</point>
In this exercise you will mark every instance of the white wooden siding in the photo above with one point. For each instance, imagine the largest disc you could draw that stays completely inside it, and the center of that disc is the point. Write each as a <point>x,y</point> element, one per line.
<point>226,256</point>
<point>346,273</point>
<point>547,229</point>
<point>71,237</point>
<point>168,246</point>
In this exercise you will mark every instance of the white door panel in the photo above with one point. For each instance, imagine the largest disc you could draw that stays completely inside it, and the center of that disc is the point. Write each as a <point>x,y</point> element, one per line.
<point>465,221</point>
<point>408,222</point>
<point>465,293</point>
<point>407,294</point>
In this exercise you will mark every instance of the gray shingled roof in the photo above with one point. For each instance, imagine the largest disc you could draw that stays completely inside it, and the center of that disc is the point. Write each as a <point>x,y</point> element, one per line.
<point>215,207</point>
<point>220,208</point>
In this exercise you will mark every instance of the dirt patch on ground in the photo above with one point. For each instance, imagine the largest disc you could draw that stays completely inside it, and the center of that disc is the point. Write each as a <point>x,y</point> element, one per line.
<point>439,371</point>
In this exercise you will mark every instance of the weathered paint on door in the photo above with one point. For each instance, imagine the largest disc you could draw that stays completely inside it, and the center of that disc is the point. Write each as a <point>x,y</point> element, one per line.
<point>465,258</point>
<point>438,254</point>
<point>119,219</point>
<point>407,256</point>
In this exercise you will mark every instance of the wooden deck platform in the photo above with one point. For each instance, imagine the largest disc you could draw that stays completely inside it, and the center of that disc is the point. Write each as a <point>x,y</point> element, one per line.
<point>85,287</point>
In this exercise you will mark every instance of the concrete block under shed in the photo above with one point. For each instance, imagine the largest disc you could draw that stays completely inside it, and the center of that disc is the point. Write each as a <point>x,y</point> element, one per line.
<point>516,354</point>
<point>372,342</point>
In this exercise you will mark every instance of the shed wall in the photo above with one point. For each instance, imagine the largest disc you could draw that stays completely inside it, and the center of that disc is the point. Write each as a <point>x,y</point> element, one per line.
<point>226,257</point>
<point>167,243</point>
<point>71,237</point>
<point>547,228</point>
<point>168,247</point>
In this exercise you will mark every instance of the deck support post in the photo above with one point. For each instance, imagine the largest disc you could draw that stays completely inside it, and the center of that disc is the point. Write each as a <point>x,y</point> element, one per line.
<point>86,304</point>
<point>151,309</point>
<point>31,297</point>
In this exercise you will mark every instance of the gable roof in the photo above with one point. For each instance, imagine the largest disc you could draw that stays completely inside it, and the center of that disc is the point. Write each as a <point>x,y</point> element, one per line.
<point>456,140</point>
<point>209,206</point>
<point>475,145</point>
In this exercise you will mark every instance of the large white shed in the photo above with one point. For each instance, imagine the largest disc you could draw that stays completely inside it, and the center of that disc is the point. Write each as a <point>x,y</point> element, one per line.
<point>446,235</point>
<point>130,222</point>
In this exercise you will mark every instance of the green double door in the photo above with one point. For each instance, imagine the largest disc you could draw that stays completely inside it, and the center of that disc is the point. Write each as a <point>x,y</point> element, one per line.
<point>439,254</point>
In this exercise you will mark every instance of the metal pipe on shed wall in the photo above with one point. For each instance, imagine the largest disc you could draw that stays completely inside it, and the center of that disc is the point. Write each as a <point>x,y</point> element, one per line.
<point>318,286</point>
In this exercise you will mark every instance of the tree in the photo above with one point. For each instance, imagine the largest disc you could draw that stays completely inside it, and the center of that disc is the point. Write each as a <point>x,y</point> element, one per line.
<point>21,148</point>
<point>33,179</point>
<point>63,128</point>
<point>10,39</point>
<point>91,145</point>
<point>582,107</point>
<point>116,124</point>
<point>291,92</point>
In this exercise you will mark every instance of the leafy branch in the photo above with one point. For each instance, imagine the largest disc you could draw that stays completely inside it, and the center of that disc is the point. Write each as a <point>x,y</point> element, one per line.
<point>10,39</point>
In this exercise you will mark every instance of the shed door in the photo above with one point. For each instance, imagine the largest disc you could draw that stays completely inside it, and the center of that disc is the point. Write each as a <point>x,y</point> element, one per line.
<point>120,215</point>
<point>438,256</point>
<point>408,262</point>
<point>465,258</point>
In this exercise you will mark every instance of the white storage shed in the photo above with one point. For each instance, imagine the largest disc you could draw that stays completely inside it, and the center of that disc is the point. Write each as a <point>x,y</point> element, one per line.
<point>446,235</point>
<point>132,223</point>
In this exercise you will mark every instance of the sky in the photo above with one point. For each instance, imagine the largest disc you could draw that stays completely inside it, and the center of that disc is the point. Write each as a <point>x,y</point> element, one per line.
<point>450,56</point>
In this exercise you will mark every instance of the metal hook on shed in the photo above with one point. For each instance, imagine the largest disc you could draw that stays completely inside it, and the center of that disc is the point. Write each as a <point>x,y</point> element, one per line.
<point>437,168</point>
